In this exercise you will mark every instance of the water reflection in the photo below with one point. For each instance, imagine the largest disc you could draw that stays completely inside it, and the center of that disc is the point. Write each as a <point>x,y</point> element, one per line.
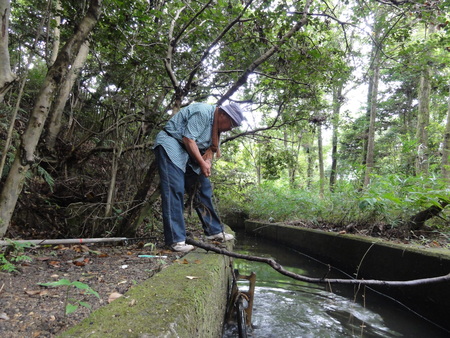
<point>284,307</point>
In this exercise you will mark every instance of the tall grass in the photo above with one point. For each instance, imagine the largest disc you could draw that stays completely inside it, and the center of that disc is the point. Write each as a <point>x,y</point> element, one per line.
<point>390,199</point>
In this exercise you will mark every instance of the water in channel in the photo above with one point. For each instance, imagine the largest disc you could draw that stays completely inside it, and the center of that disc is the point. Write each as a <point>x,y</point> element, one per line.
<point>284,307</point>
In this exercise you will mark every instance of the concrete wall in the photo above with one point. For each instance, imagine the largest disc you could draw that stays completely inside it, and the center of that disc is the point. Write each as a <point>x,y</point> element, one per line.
<point>169,304</point>
<point>374,259</point>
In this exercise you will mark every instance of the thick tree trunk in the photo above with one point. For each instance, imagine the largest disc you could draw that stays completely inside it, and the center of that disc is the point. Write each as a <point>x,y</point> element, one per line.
<point>423,118</point>
<point>25,155</point>
<point>373,98</point>
<point>55,115</point>
<point>6,76</point>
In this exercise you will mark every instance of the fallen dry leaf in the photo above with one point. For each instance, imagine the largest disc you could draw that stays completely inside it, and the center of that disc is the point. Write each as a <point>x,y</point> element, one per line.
<point>80,248</point>
<point>113,296</point>
<point>197,261</point>
<point>37,292</point>
<point>185,261</point>
<point>4,316</point>
<point>43,258</point>
<point>132,302</point>
<point>80,261</point>
<point>192,277</point>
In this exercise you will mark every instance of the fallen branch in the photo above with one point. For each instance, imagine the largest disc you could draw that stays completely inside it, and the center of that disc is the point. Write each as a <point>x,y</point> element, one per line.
<point>418,220</point>
<point>276,266</point>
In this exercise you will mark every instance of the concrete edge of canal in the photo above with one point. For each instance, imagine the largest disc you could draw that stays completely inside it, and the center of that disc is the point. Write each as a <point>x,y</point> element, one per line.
<point>186,299</point>
<point>372,258</point>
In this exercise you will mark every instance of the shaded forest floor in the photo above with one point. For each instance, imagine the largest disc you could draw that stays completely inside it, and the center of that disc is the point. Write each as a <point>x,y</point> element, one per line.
<point>28,309</point>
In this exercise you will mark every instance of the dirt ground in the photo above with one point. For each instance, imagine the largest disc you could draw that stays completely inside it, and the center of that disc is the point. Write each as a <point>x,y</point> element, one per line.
<point>30,309</point>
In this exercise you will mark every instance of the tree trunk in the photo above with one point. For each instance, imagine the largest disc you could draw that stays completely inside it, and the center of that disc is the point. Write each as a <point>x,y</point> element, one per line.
<point>295,167</point>
<point>337,93</point>
<point>310,167</point>
<point>373,114</point>
<point>373,99</point>
<point>321,167</point>
<point>367,117</point>
<point>126,226</point>
<point>25,153</point>
<point>117,154</point>
<point>408,133</point>
<point>446,146</point>
<point>55,115</point>
<point>6,76</point>
<point>423,118</point>
<point>56,34</point>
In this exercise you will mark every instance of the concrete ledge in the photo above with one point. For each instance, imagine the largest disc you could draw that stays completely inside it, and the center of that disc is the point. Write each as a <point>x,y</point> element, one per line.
<point>169,304</point>
<point>372,258</point>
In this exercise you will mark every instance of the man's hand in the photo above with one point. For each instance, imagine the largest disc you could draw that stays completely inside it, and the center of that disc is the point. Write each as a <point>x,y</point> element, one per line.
<point>205,167</point>
<point>192,149</point>
<point>208,155</point>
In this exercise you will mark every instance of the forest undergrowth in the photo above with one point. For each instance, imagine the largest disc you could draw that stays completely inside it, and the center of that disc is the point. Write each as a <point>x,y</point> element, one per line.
<point>384,210</point>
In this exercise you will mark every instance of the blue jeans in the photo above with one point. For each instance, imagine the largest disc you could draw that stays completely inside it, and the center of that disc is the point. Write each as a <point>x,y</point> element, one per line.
<point>173,184</point>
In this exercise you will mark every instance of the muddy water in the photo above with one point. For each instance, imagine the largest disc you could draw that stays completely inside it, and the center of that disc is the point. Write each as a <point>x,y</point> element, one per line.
<point>285,308</point>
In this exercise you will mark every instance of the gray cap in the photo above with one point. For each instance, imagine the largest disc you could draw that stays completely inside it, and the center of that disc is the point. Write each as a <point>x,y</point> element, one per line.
<point>234,111</point>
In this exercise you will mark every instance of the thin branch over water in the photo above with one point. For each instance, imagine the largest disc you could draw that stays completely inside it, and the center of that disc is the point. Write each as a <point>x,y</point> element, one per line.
<point>276,266</point>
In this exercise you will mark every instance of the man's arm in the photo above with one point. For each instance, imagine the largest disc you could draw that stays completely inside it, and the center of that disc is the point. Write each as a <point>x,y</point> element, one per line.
<point>192,149</point>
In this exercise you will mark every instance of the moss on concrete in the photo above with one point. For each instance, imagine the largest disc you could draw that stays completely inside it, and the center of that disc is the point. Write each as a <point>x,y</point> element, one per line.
<point>187,299</point>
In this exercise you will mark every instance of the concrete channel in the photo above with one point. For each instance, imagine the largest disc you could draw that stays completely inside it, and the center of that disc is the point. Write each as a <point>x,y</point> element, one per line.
<point>369,258</point>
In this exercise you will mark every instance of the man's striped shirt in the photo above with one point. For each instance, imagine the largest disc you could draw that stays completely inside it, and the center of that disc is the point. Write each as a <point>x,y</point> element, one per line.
<point>194,122</point>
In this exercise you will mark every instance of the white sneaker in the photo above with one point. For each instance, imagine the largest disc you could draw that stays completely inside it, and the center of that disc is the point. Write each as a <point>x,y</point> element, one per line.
<point>221,236</point>
<point>182,247</point>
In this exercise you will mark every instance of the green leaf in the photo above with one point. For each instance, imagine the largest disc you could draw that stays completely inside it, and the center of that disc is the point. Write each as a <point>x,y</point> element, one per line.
<point>57,283</point>
<point>80,285</point>
<point>70,308</point>
<point>392,198</point>
<point>85,287</point>
<point>86,305</point>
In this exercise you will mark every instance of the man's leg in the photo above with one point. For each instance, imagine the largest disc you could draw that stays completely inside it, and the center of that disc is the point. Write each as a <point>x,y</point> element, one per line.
<point>172,197</point>
<point>203,204</point>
